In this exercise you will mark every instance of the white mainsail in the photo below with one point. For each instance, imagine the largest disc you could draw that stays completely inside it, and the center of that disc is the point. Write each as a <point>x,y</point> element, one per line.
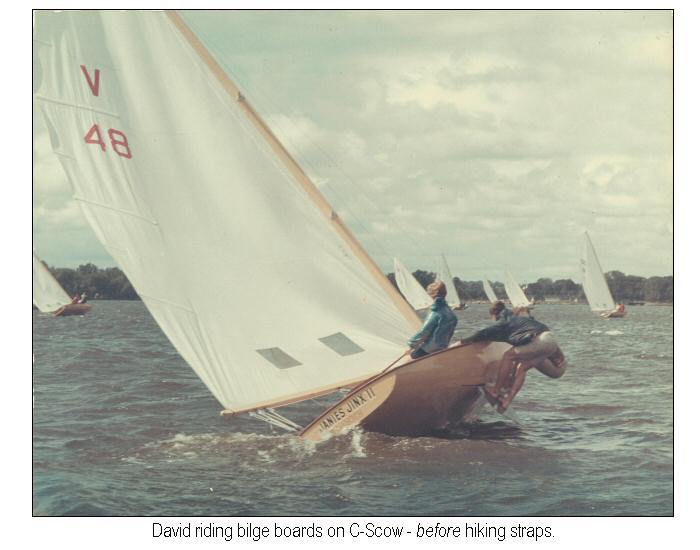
<point>47,294</point>
<point>515,293</point>
<point>412,290</point>
<point>245,267</point>
<point>445,275</point>
<point>490,294</point>
<point>594,284</point>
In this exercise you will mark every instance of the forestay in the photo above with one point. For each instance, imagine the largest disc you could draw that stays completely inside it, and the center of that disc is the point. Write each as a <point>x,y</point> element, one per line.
<point>490,294</point>
<point>47,293</point>
<point>247,277</point>
<point>594,284</point>
<point>444,275</point>
<point>515,293</point>
<point>412,290</point>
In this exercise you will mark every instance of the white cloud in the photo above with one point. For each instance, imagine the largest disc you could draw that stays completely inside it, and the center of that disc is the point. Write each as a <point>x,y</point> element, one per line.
<point>495,137</point>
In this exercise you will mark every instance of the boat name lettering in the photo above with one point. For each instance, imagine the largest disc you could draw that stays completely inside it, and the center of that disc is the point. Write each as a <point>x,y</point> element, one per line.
<point>350,405</point>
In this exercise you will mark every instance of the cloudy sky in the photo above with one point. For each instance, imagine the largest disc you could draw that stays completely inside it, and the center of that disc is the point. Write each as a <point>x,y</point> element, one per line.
<point>494,137</point>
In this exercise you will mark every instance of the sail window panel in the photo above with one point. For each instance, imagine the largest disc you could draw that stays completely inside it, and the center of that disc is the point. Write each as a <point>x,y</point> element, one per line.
<point>341,344</point>
<point>223,211</point>
<point>278,358</point>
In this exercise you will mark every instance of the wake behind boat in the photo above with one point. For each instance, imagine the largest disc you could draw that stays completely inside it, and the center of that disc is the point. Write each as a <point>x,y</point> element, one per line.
<point>143,141</point>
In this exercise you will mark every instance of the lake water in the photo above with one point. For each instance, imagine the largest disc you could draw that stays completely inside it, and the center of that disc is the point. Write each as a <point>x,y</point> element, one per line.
<point>122,426</point>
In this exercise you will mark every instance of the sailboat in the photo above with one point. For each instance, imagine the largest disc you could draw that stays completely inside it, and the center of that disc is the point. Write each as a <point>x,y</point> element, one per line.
<point>411,289</point>
<point>445,275</point>
<point>243,263</point>
<point>595,286</point>
<point>515,292</point>
<point>488,289</point>
<point>48,294</point>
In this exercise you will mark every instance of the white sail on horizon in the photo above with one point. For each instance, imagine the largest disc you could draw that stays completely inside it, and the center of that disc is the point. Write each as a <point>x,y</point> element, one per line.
<point>595,287</point>
<point>445,275</point>
<point>241,270</point>
<point>47,293</point>
<point>488,289</point>
<point>411,289</point>
<point>515,293</point>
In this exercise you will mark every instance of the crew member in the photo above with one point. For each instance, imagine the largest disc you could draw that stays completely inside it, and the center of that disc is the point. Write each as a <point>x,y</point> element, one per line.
<point>533,346</point>
<point>439,325</point>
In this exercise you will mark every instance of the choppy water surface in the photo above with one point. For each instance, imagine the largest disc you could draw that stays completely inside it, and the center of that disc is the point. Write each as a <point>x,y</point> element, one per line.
<point>122,426</point>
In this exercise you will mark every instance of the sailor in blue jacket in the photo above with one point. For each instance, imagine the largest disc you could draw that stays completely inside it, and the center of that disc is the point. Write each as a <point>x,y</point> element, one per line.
<point>439,325</point>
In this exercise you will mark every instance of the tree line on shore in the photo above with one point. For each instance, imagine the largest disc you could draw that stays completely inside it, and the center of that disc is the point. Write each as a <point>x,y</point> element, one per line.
<point>624,288</point>
<point>111,284</point>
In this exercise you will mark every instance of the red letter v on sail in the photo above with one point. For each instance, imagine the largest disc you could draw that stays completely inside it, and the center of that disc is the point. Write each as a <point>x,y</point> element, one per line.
<point>94,85</point>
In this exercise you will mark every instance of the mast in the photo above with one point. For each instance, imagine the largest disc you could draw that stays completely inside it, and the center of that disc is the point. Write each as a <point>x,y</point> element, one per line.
<point>294,168</point>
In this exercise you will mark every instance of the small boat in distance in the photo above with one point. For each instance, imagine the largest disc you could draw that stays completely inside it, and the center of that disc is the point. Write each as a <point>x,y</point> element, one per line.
<point>48,295</point>
<point>488,289</point>
<point>445,275</point>
<point>411,289</point>
<point>595,287</point>
<point>515,293</point>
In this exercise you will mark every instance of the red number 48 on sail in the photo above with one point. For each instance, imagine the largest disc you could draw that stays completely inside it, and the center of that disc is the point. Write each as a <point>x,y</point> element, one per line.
<point>118,141</point>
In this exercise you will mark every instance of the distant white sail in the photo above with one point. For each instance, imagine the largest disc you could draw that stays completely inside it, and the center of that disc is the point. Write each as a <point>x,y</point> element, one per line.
<point>248,271</point>
<point>412,290</point>
<point>515,293</point>
<point>48,295</point>
<point>594,284</point>
<point>490,294</point>
<point>445,276</point>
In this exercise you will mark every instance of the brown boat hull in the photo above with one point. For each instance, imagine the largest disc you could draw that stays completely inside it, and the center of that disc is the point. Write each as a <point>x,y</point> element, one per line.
<point>72,309</point>
<point>416,397</point>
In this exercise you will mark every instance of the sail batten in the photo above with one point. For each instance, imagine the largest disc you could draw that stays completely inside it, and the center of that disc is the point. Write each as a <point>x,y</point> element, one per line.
<point>595,287</point>
<point>209,217</point>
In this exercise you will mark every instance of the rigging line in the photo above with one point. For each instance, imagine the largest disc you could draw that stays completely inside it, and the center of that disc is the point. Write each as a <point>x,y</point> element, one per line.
<point>270,105</point>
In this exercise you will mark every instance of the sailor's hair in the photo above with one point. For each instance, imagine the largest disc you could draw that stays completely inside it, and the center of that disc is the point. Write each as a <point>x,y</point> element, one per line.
<point>436,289</point>
<point>497,307</point>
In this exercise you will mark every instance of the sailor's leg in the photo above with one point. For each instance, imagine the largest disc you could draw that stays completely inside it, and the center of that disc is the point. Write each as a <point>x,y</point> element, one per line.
<point>506,372</point>
<point>518,381</point>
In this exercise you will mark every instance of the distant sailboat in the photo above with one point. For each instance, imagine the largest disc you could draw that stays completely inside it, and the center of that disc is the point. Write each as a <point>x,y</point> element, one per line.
<point>445,275</point>
<point>410,287</point>
<point>48,295</point>
<point>488,289</point>
<point>594,284</point>
<point>242,262</point>
<point>515,293</point>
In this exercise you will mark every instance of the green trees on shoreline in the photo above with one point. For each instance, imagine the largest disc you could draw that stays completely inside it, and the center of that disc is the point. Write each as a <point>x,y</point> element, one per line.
<point>108,283</point>
<point>111,284</point>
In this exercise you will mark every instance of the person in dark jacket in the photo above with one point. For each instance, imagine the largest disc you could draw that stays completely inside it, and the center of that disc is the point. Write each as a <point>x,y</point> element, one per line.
<point>533,346</point>
<point>439,325</point>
